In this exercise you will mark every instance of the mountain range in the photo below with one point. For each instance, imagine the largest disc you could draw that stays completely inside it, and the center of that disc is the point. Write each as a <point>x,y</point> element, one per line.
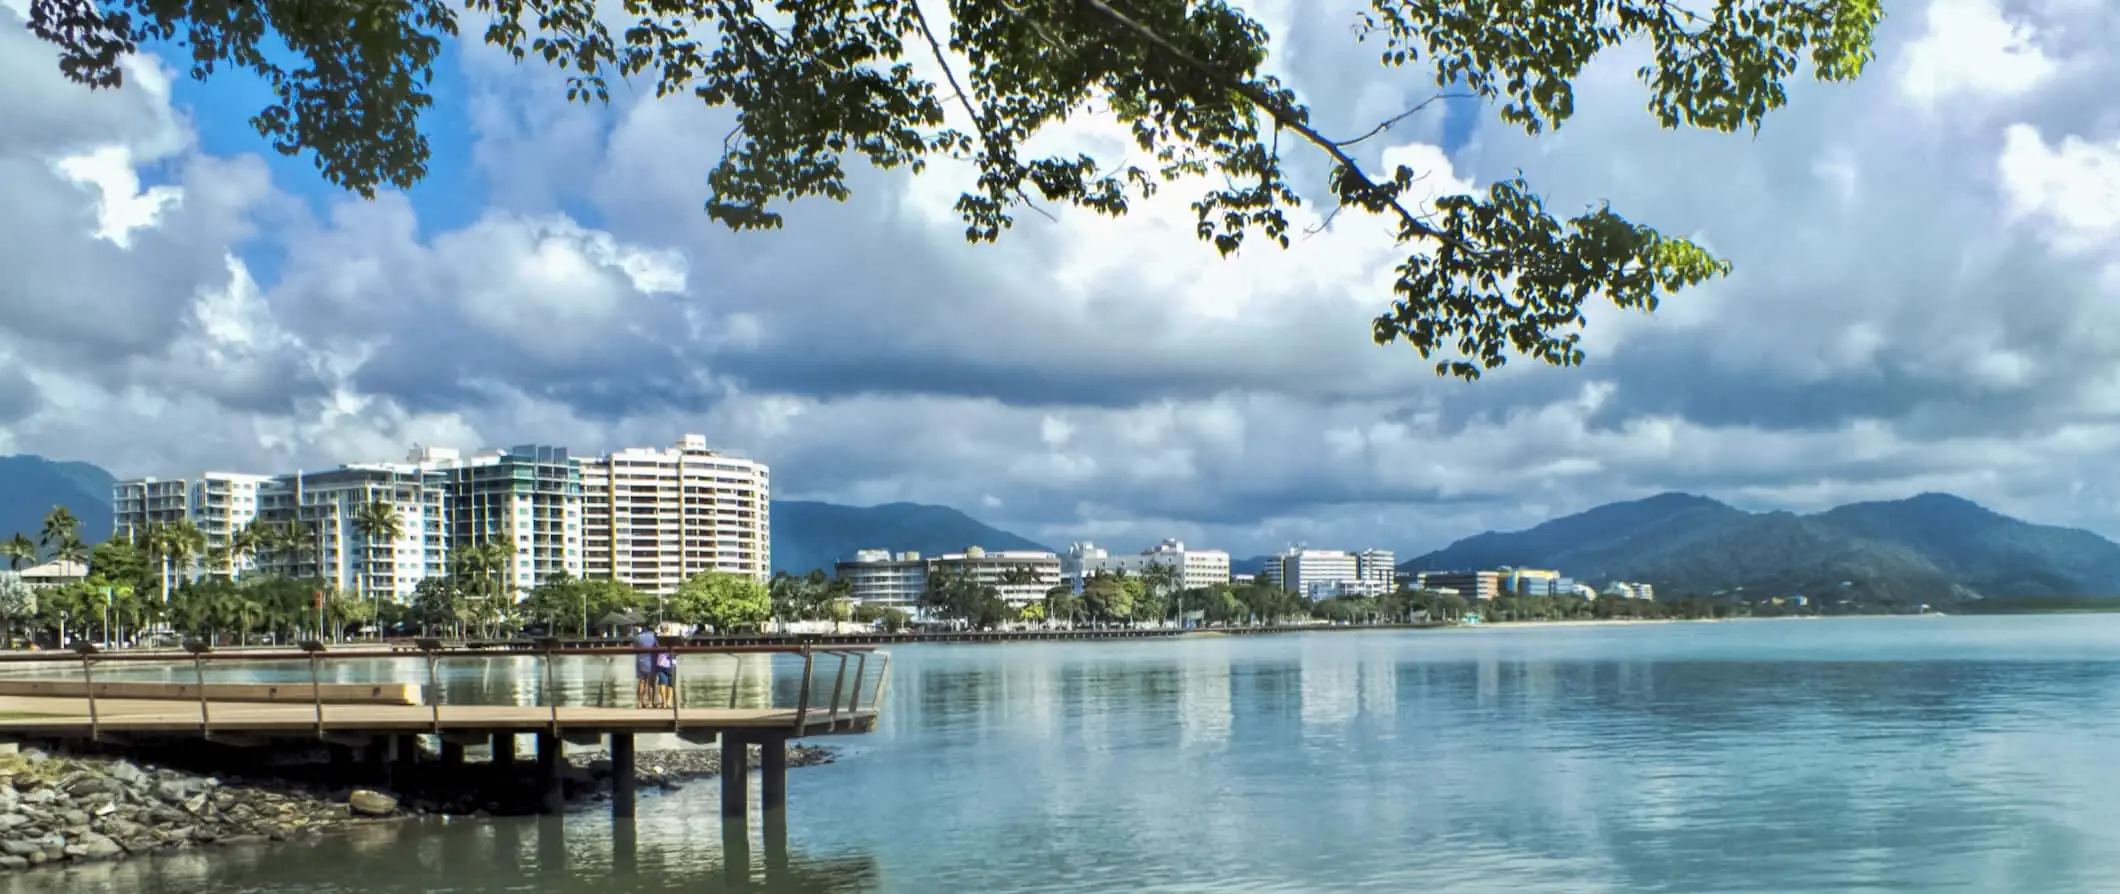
<point>1931,547</point>
<point>806,535</point>
<point>1927,548</point>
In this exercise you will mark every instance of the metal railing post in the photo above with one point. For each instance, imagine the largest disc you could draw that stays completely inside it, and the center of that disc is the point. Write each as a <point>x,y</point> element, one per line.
<point>315,650</point>
<point>547,646</point>
<point>883,677</point>
<point>198,649</point>
<point>802,704</point>
<point>861,668</point>
<point>736,676</point>
<point>838,689</point>
<point>431,648</point>
<point>88,682</point>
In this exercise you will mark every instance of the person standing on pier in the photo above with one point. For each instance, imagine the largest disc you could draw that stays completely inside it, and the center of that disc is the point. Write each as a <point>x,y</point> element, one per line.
<point>665,678</point>
<point>646,692</point>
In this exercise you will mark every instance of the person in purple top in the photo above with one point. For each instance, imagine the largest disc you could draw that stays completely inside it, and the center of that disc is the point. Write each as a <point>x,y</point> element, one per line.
<point>645,693</point>
<point>665,679</point>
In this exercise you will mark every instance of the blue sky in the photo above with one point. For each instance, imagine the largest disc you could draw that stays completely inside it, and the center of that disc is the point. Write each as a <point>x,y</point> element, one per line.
<point>1924,259</point>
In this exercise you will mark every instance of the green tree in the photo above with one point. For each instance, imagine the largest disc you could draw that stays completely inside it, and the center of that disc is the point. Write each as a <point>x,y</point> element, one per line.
<point>19,551</point>
<point>721,600</point>
<point>18,603</point>
<point>815,81</point>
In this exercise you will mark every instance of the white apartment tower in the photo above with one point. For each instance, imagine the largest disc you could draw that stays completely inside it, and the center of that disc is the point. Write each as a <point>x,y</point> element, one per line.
<point>652,517</point>
<point>334,543</point>
<point>528,497</point>
<point>219,504</point>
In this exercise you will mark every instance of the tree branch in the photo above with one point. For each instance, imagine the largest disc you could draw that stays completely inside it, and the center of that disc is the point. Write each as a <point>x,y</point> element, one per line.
<point>1287,117</point>
<point>965,99</point>
<point>1387,123</point>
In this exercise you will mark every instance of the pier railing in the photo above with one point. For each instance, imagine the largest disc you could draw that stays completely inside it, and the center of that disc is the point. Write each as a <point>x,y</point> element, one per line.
<point>845,708</point>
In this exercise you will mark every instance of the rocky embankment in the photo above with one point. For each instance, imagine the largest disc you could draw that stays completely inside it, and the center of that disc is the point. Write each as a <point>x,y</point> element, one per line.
<point>73,808</point>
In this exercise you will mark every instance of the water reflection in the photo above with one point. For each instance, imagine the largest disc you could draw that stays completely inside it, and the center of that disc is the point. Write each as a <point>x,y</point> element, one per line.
<point>512,855</point>
<point>1891,755</point>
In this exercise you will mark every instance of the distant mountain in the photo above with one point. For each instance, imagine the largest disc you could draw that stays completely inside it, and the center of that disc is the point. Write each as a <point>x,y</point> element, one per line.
<point>31,485</point>
<point>809,535</point>
<point>1929,548</point>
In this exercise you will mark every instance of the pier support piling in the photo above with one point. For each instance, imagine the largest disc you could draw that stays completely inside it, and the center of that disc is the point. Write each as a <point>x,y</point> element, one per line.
<point>376,757</point>
<point>773,773</point>
<point>552,794</point>
<point>503,749</point>
<point>405,753</point>
<point>735,777</point>
<point>622,782</point>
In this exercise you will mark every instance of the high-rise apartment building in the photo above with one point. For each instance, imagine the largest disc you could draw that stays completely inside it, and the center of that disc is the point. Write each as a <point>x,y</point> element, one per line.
<point>652,517</point>
<point>327,512</point>
<point>219,504</point>
<point>529,497</point>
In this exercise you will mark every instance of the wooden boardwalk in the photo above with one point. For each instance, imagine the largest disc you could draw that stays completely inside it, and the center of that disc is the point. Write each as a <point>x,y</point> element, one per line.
<point>40,717</point>
<point>385,720</point>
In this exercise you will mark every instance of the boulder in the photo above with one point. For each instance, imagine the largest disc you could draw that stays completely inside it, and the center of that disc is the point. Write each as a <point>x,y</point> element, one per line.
<point>92,785</point>
<point>11,821</point>
<point>11,861</point>
<point>89,846</point>
<point>126,773</point>
<point>173,791</point>
<point>363,802</point>
<point>13,848</point>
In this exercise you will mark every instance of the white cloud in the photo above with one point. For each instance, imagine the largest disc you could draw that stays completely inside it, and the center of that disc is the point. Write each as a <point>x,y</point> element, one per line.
<point>1972,48</point>
<point>1886,331</point>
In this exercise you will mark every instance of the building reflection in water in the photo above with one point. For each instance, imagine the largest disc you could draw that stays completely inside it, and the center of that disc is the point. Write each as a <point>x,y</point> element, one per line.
<point>1204,715</point>
<point>577,855</point>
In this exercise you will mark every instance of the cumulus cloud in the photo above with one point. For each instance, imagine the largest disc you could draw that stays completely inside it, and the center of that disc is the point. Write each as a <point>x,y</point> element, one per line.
<point>1924,260</point>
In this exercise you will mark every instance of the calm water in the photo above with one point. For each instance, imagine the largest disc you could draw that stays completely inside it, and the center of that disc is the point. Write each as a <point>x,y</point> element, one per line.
<point>1955,754</point>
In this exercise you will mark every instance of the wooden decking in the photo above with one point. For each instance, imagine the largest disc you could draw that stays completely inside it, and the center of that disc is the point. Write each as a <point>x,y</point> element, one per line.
<point>26,716</point>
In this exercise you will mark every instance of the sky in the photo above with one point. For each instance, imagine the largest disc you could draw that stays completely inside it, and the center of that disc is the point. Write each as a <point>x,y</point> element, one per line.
<point>1926,263</point>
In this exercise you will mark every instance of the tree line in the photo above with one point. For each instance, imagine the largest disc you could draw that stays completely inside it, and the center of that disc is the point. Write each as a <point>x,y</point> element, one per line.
<point>165,578</point>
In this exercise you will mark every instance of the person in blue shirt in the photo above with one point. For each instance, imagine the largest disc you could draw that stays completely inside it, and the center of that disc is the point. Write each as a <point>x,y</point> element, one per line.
<point>646,693</point>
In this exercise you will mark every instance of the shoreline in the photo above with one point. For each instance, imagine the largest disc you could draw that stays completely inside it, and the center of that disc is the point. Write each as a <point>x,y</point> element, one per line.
<point>61,809</point>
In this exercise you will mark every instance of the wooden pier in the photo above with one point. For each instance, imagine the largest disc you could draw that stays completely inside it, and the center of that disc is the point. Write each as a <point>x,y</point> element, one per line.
<point>64,700</point>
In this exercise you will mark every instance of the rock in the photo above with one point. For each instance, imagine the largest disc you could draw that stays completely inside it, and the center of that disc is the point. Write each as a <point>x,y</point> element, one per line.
<point>14,848</point>
<point>13,862</point>
<point>173,791</point>
<point>9,799</point>
<point>126,773</point>
<point>195,805</point>
<point>43,795</point>
<point>34,756</point>
<point>73,819</point>
<point>92,785</point>
<point>10,821</point>
<point>364,802</point>
<point>91,846</point>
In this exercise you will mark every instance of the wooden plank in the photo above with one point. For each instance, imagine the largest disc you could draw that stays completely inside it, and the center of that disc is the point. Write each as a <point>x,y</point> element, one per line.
<point>286,693</point>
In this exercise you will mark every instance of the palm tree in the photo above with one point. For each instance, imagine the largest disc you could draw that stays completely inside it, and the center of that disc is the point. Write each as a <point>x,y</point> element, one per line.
<point>244,543</point>
<point>376,520</point>
<point>19,551</point>
<point>60,526</point>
